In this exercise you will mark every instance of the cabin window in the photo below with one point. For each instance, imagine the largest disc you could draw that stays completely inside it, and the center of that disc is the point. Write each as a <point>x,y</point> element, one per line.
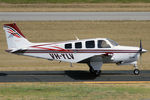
<point>78,45</point>
<point>68,46</point>
<point>90,44</point>
<point>103,44</point>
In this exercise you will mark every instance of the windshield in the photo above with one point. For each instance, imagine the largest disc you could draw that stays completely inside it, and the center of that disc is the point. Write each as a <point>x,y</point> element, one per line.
<point>112,42</point>
<point>103,44</point>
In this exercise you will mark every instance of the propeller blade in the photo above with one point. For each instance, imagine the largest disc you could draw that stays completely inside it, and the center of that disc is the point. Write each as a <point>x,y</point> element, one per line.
<point>140,60</point>
<point>140,44</point>
<point>140,51</point>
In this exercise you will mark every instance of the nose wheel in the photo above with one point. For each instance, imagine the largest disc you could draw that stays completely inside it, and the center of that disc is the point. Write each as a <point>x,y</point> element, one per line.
<point>136,71</point>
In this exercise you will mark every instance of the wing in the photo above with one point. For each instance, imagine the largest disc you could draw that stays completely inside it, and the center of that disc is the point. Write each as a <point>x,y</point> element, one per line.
<point>97,58</point>
<point>95,62</point>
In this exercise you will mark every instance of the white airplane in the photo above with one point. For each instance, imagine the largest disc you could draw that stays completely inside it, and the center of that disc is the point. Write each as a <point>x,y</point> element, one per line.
<point>93,52</point>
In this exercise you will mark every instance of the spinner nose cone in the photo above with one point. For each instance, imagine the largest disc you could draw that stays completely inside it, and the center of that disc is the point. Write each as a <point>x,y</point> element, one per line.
<point>144,50</point>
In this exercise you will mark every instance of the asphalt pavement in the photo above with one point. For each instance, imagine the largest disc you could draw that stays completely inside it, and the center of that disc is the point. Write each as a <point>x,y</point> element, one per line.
<point>72,76</point>
<point>56,16</point>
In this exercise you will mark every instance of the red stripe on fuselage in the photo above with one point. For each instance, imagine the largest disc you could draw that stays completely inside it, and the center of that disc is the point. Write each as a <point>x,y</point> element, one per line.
<point>52,49</point>
<point>58,48</point>
<point>79,51</point>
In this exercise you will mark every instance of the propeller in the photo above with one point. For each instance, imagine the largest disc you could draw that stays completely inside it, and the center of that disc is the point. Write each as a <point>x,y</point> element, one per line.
<point>140,51</point>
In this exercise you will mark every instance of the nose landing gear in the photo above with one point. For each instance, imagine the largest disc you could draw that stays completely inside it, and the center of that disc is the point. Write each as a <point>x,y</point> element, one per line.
<point>136,70</point>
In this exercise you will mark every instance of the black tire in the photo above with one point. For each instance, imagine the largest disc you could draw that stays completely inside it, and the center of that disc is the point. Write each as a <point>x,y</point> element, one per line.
<point>92,71</point>
<point>97,72</point>
<point>136,72</point>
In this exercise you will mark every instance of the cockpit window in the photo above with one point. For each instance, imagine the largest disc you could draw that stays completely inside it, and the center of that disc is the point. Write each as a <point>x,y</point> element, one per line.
<point>90,44</point>
<point>112,42</point>
<point>68,46</point>
<point>103,44</point>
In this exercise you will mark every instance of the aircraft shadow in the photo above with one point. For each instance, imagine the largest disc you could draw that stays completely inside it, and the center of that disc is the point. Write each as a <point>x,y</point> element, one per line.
<point>73,75</point>
<point>67,72</point>
<point>80,75</point>
<point>3,74</point>
<point>86,75</point>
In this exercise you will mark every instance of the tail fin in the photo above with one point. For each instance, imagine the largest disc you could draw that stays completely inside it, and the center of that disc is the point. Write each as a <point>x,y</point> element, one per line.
<point>15,39</point>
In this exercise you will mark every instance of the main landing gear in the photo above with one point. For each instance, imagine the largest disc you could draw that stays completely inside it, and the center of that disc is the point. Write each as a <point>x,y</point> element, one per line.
<point>95,72</point>
<point>95,65</point>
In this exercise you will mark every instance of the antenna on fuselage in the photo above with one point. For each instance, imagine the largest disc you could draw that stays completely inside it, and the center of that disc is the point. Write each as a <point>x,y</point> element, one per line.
<point>76,37</point>
<point>71,65</point>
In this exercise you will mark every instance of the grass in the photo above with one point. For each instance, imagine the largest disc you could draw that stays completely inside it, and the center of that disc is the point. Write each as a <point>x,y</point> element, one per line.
<point>46,91</point>
<point>75,7</point>
<point>72,1</point>
<point>124,32</point>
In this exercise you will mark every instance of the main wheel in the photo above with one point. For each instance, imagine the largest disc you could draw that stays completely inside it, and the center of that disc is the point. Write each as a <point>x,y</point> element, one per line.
<point>97,72</point>
<point>136,72</point>
<point>92,71</point>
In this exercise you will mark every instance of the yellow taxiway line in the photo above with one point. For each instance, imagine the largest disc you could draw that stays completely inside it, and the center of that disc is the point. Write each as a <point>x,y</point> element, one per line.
<point>84,82</point>
<point>117,82</point>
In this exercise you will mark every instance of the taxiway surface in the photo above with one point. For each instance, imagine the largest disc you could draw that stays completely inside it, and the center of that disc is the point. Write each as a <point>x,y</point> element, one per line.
<point>51,16</point>
<point>71,76</point>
